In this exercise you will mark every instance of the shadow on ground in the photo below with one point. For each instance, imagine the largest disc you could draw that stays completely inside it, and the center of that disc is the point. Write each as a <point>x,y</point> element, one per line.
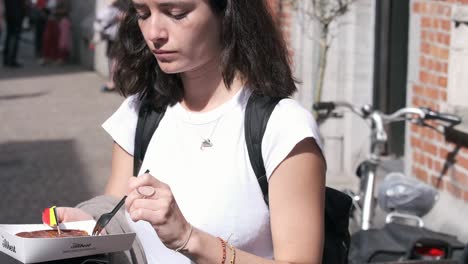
<point>39,174</point>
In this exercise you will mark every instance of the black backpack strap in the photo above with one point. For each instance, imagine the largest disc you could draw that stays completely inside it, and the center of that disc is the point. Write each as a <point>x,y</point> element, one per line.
<point>148,121</point>
<point>257,114</point>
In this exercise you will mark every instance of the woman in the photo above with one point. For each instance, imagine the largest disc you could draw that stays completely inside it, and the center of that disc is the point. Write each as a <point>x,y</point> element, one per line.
<point>202,59</point>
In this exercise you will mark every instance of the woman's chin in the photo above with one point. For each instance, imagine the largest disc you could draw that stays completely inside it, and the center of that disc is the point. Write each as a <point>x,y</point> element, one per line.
<point>169,68</point>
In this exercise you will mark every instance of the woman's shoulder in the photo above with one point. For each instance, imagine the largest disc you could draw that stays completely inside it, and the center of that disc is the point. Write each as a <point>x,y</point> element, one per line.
<point>291,108</point>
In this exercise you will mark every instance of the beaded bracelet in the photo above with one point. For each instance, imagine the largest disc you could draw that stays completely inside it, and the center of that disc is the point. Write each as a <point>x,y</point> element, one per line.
<point>223,244</point>
<point>233,251</point>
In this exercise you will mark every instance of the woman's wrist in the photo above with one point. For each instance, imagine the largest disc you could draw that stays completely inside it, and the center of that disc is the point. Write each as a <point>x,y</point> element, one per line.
<point>203,248</point>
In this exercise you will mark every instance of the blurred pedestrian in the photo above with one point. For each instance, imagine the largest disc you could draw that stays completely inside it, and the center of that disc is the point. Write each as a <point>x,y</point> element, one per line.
<point>1,18</point>
<point>14,13</point>
<point>40,13</point>
<point>51,34</point>
<point>64,24</point>
<point>64,42</point>
<point>106,27</point>
<point>51,49</point>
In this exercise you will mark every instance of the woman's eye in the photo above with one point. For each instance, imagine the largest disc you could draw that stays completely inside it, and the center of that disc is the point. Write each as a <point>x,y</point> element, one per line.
<point>178,15</point>
<point>141,16</point>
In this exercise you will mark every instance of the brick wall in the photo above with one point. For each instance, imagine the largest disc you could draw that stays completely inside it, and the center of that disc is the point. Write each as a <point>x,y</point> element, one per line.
<point>429,149</point>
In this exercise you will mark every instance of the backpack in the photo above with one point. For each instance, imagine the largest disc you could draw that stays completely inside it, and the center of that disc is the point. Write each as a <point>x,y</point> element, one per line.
<point>257,113</point>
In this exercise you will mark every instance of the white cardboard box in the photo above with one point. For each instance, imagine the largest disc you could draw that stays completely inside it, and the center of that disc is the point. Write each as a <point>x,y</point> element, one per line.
<point>32,250</point>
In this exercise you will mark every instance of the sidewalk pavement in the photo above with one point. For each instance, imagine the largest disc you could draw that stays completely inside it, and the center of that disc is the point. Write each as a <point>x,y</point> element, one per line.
<point>53,150</point>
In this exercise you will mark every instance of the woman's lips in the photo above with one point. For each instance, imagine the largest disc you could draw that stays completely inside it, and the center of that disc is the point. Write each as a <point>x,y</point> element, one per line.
<point>163,54</point>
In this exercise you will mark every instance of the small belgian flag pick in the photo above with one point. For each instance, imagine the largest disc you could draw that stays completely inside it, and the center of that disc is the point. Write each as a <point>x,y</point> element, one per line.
<point>49,217</point>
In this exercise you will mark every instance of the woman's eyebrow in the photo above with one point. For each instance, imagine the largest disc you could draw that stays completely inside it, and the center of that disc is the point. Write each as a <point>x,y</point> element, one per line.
<point>171,3</point>
<point>138,5</point>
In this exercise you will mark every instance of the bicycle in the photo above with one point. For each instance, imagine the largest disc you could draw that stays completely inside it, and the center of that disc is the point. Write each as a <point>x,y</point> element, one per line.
<point>364,201</point>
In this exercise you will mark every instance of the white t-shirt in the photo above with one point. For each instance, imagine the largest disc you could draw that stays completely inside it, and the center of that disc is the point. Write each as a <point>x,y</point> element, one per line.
<point>215,188</point>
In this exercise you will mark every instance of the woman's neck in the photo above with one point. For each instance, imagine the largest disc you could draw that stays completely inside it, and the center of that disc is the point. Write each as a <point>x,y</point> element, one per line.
<point>204,88</point>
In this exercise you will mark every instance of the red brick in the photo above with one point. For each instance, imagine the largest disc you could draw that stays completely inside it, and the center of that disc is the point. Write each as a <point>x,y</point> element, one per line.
<point>432,8</point>
<point>430,148</point>
<point>438,66</point>
<point>425,22</point>
<point>444,54</point>
<point>460,177</point>
<point>465,196</point>
<point>425,48</point>
<point>447,40</point>
<point>447,11</point>
<point>423,7</point>
<point>454,190</point>
<point>421,174</point>
<point>443,153</point>
<point>430,163</point>
<point>423,77</point>
<point>445,67</point>
<point>435,80</point>
<point>442,82</point>
<point>432,93</point>
<point>431,36</point>
<point>434,51</point>
<point>415,142</point>
<point>424,35</point>
<point>437,166</point>
<point>422,61</point>
<point>440,10</point>
<point>431,65</point>
<point>415,129</point>
<point>440,37</point>
<point>416,7</point>
<point>462,161</point>
<point>418,89</point>
<point>445,24</point>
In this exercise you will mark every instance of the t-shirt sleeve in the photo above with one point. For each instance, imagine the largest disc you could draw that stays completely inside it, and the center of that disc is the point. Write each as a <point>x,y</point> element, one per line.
<point>121,125</point>
<point>289,124</point>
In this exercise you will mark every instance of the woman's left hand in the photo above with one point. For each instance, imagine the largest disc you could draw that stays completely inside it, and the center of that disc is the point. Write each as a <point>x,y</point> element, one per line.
<point>157,207</point>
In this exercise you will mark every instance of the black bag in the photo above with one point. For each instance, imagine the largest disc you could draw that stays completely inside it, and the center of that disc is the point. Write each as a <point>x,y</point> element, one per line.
<point>396,242</point>
<point>258,111</point>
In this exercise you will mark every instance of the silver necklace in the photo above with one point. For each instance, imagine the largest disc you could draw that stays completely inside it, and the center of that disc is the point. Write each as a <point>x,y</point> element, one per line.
<point>206,141</point>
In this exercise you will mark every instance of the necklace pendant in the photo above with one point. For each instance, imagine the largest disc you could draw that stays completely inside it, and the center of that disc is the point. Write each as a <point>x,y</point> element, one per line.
<point>206,143</point>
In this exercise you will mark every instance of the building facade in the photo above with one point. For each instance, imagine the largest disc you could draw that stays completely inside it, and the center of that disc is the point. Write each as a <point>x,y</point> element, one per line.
<point>437,78</point>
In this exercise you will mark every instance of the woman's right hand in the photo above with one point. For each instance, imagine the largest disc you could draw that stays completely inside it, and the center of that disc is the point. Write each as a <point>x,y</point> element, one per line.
<point>71,214</point>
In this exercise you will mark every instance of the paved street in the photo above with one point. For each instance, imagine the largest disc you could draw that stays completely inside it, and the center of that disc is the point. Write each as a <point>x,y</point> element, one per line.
<point>53,150</point>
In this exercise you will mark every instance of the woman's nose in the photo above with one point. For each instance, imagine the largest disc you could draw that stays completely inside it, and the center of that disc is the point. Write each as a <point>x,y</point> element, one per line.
<point>157,31</point>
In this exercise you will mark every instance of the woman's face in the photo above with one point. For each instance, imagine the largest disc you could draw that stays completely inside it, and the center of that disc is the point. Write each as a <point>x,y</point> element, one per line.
<point>182,34</point>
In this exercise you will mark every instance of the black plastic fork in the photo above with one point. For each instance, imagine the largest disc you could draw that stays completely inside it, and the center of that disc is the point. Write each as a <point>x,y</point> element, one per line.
<point>105,218</point>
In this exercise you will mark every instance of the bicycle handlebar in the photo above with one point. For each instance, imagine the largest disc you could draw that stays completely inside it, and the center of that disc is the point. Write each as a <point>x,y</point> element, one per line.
<point>319,106</point>
<point>449,118</point>
<point>411,113</point>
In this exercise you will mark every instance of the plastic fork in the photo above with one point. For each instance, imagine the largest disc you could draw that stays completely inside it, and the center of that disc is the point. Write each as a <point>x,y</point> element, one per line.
<point>106,217</point>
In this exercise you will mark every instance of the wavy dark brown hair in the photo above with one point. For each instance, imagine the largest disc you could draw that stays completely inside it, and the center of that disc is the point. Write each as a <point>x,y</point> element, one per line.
<point>252,46</point>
